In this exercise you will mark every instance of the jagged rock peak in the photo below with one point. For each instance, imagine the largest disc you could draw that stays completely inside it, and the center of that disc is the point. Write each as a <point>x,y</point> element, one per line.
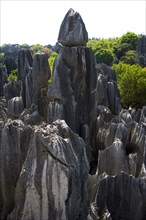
<point>73,31</point>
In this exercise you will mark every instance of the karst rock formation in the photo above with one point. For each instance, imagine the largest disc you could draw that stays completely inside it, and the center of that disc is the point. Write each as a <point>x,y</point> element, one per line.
<point>68,151</point>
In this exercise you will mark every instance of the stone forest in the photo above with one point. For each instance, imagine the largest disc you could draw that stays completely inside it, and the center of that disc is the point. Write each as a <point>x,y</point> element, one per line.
<point>68,150</point>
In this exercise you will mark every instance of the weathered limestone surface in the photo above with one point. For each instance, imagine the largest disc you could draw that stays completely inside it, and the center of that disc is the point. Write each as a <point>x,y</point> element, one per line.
<point>29,89</point>
<point>73,31</point>
<point>74,87</point>
<point>15,106</point>
<point>107,91</point>
<point>1,82</point>
<point>25,63</point>
<point>3,110</point>
<point>12,89</point>
<point>40,76</point>
<point>52,183</point>
<point>13,148</point>
<point>122,196</point>
<point>123,144</point>
<point>73,153</point>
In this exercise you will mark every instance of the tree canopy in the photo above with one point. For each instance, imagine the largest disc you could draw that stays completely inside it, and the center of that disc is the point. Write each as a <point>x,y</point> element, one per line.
<point>131,80</point>
<point>114,50</point>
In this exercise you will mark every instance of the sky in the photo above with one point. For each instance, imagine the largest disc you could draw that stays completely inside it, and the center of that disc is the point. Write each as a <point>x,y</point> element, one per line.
<point>33,22</point>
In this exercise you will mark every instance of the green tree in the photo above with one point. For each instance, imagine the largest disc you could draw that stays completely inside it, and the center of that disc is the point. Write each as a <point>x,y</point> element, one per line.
<point>130,38</point>
<point>120,49</point>
<point>103,50</point>
<point>104,56</point>
<point>128,41</point>
<point>131,57</point>
<point>131,80</point>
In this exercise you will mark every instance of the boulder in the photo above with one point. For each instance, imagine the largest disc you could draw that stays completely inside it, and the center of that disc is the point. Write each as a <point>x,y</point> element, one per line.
<point>73,31</point>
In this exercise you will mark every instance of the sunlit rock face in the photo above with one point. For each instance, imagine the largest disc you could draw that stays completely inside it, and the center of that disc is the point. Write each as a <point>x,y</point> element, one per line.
<point>52,182</point>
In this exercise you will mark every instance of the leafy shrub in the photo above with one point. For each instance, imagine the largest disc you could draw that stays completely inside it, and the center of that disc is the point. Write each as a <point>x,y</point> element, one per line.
<point>1,55</point>
<point>13,75</point>
<point>51,60</point>
<point>131,80</point>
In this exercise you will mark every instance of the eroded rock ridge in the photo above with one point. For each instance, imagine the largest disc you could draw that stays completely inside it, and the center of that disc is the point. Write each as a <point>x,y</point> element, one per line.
<point>68,151</point>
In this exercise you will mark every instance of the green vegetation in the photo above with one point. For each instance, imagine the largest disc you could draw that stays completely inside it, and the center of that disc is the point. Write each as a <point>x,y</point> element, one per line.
<point>113,50</point>
<point>1,55</point>
<point>131,80</point>
<point>103,50</point>
<point>37,48</point>
<point>51,61</point>
<point>121,54</point>
<point>13,75</point>
<point>131,57</point>
<point>131,39</point>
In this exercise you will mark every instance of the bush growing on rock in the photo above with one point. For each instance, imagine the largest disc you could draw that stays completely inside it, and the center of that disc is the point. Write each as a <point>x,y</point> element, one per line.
<point>51,63</point>
<point>13,75</point>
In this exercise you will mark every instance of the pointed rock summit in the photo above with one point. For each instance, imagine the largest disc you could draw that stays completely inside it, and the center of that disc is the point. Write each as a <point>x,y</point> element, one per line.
<point>73,31</point>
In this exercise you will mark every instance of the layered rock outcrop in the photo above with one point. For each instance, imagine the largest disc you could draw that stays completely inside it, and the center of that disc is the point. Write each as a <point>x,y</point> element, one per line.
<point>68,151</point>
